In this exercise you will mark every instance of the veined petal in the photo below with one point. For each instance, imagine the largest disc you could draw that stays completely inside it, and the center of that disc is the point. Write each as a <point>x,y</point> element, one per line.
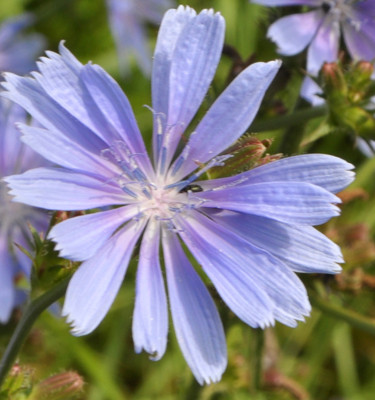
<point>90,95</point>
<point>170,29</point>
<point>199,331</point>
<point>28,93</point>
<point>294,32</point>
<point>325,45</point>
<point>329,172</point>
<point>218,128</point>
<point>114,113</point>
<point>150,318</point>
<point>255,285</point>
<point>291,202</point>
<point>79,238</point>
<point>301,248</point>
<point>59,149</point>
<point>59,77</point>
<point>95,284</point>
<point>360,42</point>
<point>59,189</point>
<point>192,67</point>
<point>229,273</point>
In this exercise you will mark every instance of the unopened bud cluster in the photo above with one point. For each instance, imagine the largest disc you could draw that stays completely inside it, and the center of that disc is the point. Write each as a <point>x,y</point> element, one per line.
<point>248,152</point>
<point>348,92</point>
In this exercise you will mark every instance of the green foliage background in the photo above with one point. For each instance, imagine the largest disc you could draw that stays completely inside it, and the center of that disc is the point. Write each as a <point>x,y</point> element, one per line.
<point>330,356</point>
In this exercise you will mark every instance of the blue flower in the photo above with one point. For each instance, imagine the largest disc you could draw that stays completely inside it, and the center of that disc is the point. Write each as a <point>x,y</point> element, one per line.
<point>127,20</point>
<point>14,217</point>
<point>320,29</point>
<point>18,52</point>
<point>249,232</point>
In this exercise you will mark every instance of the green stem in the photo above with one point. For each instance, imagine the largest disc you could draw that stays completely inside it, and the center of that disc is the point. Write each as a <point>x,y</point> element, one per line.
<point>286,121</point>
<point>32,312</point>
<point>356,320</point>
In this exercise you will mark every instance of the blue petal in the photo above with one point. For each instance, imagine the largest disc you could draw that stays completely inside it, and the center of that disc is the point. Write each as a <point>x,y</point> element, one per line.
<point>13,26</point>
<point>192,66</point>
<point>255,285</point>
<point>329,172</point>
<point>229,116</point>
<point>10,144</point>
<point>95,284</point>
<point>301,248</point>
<point>18,52</point>
<point>294,32</point>
<point>59,78</point>
<point>360,42</point>
<point>150,318</point>
<point>7,289</point>
<point>290,202</point>
<point>197,323</point>
<point>28,93</point>
<point>112,109</point>
<point>170,29</point>
<point>59,189</point>
<point>325,46</point>
<point>59,149</point>
<point>126,20</point>
<point>79,238</point>
<point>310,91</point>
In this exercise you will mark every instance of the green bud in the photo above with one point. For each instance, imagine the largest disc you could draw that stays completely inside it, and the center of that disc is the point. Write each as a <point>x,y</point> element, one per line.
<point>346,92</point>
<point>48,268</point>
<point>359,79</point>
<point>18,383</point>
<point>360,121</point>
<point>248,152</point>
<point>362,72</point>
<point>333,78</point>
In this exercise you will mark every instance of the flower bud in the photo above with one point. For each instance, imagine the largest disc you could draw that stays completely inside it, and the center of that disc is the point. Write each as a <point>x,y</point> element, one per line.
<point>247,152</point>
<point>360,121</point>
<point>63,386</point>
<point>18,382</point>
<point>333,78</point>
<point>359,80</point>
<point>362,71</point>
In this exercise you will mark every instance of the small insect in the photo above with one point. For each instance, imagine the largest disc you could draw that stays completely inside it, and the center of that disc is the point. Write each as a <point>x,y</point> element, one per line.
<point>191,188</point>
<point>326,6</point>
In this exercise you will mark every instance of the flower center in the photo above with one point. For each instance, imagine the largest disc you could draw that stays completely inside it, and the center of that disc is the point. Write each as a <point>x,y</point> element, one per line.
<point>164,203</point>
<point>341,11</point>
<point>162,196</point>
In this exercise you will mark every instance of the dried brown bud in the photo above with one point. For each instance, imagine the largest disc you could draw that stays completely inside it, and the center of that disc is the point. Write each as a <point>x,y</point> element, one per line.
<point>65,385</point>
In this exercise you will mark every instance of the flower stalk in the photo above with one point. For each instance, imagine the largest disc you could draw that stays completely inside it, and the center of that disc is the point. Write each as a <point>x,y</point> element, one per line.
<point>358,321</point>
<point>32,312</point>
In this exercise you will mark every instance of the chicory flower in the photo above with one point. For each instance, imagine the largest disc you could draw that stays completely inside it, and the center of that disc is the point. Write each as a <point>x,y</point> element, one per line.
<point>320,31</point>
<point>127,20</point>
<point>15,157</point>
<point>250,232</point>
